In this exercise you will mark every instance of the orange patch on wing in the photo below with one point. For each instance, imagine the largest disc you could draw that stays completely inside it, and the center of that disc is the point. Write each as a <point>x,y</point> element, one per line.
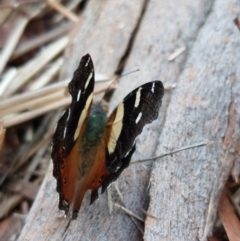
<point>70,173</point>
<point>93,178</point>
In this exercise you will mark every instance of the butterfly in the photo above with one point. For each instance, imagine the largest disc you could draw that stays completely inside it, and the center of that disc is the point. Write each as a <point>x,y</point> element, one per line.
<point>89,149</point>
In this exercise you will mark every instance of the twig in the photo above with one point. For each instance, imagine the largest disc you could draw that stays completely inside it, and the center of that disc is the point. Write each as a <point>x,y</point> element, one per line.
<point>175,151</point>
<point>128,212</point>
<point>131,216</point>
<point>64,11</point>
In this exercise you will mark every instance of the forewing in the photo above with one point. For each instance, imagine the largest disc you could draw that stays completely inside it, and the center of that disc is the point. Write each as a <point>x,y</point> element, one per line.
<point>138,108</point>
<point>65,154</point>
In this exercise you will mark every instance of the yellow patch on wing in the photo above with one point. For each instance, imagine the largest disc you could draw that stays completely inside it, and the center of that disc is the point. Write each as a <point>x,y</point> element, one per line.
<point>88,80</point>
<point>116,128</point>
<point>83,116</point>
<point>138,96</point>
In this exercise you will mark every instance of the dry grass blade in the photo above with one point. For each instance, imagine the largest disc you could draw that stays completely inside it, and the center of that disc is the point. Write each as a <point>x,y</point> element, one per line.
<point>124,208</point>
<point>39,102</point>
<point>11,202</point>
<point>14,38</point>
<point>7,78</point>
<point>33,104</point>
<point>71,5</point>
<point>8,203</point>
<point>64,11</point>
<point>34,66</point>
<point>23,187</point>
<point>128,212</point>
<point>41,137</point>
<point>149,214</point>
<point>39,41</point>
<point>43,142</point>
<point>12,42</point>
<point>23,117</point>
<point>40,147</point>
<point>30,96</point>
<point>16,5</point>
<point>47,75</point>
<point>176,53</point>
<point>29,144</point>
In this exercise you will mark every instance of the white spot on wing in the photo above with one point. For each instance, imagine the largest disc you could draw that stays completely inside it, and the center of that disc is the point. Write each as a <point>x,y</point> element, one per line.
<point>116,129</point>
<point>83,116</point>
<point>64,132</point>
<point>153,87</point>
<point>65,129</point>
<point>130,149</point>
<point>79,94</point>
<point>87,62</point>
<point>138,97</point>
<point>138,117</point>
<point>88,80</point>
<point>69,112</point>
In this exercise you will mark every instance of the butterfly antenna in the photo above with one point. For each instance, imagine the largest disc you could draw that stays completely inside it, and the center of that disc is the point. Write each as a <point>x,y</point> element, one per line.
<point>117,80</point>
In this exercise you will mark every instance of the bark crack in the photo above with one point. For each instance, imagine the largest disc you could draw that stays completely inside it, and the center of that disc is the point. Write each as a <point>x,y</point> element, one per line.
<point>122,62</point>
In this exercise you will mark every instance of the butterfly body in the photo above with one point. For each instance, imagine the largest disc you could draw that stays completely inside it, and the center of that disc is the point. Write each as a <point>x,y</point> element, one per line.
<point>93,133</point>
<point>90,150</point>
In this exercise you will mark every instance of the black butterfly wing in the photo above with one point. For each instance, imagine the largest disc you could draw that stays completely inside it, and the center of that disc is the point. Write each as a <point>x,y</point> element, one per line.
<point>138,108</point>
<point>69,128</point>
